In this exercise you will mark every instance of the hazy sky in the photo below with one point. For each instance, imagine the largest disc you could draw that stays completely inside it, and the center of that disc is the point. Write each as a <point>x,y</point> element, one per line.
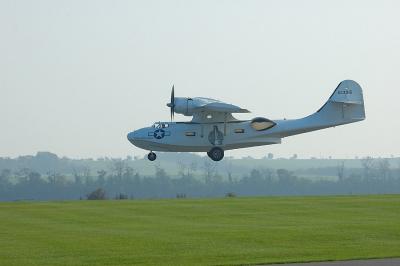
<point>77,76</point>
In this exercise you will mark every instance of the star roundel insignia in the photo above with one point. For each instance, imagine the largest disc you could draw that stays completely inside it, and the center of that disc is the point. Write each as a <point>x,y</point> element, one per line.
<point>159,134</point>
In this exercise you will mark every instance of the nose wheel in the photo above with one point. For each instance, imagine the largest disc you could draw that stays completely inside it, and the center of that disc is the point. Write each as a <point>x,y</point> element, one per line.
<point>151,156</point>
<point>216,154</point>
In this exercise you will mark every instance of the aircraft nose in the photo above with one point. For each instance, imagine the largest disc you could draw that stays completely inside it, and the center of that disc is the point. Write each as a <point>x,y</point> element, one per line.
<point>131,136</point>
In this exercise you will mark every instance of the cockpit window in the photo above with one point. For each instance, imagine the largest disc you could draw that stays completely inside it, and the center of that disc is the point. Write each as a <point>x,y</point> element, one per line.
<point>160,125</point>
<point>261,123</point>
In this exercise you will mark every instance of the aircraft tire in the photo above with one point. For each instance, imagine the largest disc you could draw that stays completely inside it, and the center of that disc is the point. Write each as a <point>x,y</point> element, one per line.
<point>151,156</point>
<point>216,154</point>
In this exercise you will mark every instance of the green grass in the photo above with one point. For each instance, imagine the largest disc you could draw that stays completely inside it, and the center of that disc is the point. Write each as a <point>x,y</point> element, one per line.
<point>199,231</point>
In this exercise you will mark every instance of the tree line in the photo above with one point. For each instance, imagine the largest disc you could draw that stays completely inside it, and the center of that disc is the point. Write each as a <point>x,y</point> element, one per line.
<point>124,182</point>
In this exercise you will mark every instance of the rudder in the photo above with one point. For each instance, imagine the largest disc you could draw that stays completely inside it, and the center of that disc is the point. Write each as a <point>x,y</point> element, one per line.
<point>348,91</point>
<point>346,103</point>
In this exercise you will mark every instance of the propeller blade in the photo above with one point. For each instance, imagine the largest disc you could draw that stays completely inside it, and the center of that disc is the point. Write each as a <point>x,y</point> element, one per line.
<point>172,102</point>
<point>173,95</point>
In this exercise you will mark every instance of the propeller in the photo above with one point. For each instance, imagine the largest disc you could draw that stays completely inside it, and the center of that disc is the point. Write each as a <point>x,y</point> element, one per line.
<point>171,104</point>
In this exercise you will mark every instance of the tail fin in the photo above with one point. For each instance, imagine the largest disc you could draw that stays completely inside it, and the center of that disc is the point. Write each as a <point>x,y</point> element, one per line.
<point>346,104</point>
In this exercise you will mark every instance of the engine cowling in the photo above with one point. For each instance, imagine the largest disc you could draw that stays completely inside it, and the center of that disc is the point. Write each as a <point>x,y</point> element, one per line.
<point>190,106</point>
<point>184,106</point>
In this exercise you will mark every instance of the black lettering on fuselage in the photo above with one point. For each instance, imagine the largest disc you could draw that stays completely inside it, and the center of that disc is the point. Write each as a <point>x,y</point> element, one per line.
<point>345,92</point>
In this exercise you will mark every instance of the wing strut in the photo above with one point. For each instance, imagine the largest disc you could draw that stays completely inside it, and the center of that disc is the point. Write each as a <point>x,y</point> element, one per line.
<point>225,115</point>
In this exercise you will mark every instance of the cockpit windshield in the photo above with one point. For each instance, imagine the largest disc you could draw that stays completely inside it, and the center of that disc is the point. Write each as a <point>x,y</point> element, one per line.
<point>160,125</point>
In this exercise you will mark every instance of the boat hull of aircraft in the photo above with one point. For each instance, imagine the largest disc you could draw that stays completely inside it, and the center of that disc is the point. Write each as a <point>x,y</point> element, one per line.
<point>194,137</point>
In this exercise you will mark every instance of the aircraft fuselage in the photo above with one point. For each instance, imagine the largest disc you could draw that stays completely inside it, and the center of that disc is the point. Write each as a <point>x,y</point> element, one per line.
<point>200,137</point>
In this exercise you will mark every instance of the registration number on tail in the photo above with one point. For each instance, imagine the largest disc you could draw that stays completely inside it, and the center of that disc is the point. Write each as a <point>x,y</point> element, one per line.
<point>345,92</point>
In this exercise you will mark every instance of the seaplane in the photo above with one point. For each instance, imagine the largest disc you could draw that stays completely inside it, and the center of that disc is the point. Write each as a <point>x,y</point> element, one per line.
<point>213,128</point>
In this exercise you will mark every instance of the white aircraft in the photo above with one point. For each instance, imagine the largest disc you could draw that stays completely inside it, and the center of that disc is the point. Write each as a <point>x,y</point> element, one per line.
<point>213,129</point>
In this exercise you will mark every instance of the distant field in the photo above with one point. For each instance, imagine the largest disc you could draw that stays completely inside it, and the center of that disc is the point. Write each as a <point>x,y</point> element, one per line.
<point>199,231</point>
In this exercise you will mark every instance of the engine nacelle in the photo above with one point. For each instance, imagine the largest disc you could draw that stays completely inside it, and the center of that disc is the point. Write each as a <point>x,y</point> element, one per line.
<point>184,106</point>
<point>190,106</point>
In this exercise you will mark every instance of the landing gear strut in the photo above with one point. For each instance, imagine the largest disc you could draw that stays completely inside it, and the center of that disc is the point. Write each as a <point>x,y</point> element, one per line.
<point>216,154</point>
<point>151,156</point>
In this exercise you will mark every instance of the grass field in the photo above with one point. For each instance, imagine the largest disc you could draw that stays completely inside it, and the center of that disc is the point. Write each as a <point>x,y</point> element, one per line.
<point>199,231</point>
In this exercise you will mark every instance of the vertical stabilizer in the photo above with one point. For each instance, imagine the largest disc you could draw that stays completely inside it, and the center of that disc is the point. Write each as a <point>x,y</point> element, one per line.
<point>345,105</point>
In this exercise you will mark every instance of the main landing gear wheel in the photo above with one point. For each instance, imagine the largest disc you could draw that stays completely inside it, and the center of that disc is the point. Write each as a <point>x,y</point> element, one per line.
<point>151,156</point>
<point>216,154</point>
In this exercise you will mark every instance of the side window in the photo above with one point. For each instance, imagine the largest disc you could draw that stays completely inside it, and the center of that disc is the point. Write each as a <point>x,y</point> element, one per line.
<point>190,133</point>
<point>239,130</point>
<point>261,123</point>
